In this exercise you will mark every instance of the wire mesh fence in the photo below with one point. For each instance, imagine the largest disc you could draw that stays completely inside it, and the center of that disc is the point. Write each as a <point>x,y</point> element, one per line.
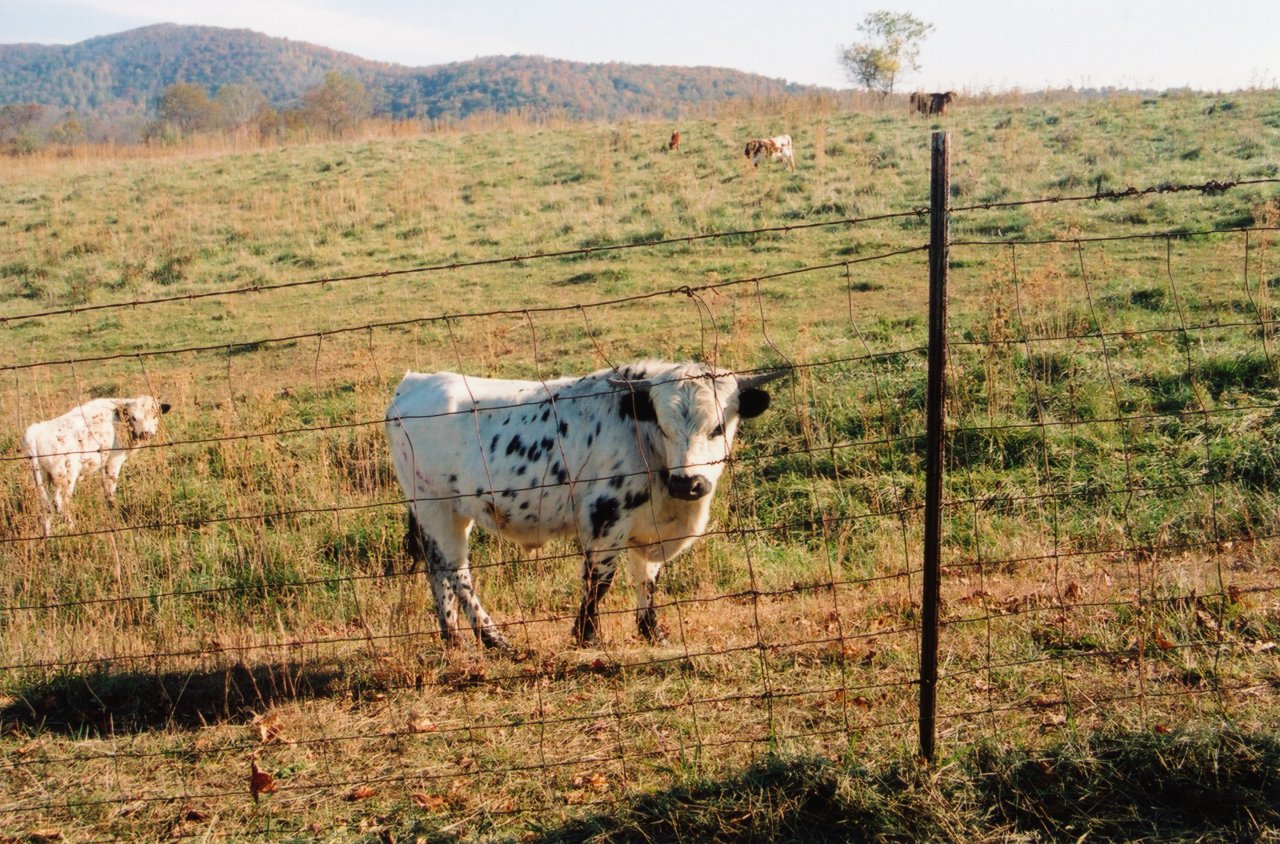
<point>1105,527</point>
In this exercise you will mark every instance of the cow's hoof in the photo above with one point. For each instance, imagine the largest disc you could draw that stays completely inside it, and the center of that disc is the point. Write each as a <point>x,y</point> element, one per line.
<point>495,641</point>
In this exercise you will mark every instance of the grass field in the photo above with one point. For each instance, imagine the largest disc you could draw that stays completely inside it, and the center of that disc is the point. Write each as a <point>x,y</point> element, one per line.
<point>1110,531</point>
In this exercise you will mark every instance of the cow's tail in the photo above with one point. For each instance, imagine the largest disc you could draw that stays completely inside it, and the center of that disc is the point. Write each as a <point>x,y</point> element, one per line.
<point>413,545</point>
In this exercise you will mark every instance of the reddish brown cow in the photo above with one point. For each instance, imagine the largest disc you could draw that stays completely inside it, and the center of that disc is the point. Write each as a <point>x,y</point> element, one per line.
<point>674,143</point>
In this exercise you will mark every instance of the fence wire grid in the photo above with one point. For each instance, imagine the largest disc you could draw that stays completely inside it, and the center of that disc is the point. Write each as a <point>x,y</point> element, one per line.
<point>1108,524</point>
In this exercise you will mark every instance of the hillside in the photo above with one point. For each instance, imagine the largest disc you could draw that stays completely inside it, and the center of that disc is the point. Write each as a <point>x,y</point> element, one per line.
<point>123,74</point>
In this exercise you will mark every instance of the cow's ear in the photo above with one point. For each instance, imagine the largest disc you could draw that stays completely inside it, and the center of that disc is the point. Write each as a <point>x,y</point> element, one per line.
<point>164,407</point>
<point>118,413</point>
<point>752,402</point>
<point>637,405</point>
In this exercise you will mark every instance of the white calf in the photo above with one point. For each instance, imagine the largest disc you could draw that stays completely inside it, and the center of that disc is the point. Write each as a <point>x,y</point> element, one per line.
<point>100,434</point>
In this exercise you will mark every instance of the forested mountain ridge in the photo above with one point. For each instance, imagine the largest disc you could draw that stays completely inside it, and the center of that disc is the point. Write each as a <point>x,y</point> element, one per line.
<point>124,74</point>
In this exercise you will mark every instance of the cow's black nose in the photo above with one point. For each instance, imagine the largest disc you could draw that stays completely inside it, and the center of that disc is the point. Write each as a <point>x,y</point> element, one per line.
<point>688,487</point>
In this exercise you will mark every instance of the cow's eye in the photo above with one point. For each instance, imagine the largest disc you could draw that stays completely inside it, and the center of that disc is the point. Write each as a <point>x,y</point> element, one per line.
<point>717,431</point>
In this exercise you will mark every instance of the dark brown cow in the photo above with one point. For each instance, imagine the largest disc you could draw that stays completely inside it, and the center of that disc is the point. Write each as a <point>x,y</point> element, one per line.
<point>938,102</point>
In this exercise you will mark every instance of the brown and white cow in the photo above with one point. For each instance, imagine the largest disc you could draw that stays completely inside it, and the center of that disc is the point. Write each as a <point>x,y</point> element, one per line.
<point>919,103</point>
<point>100,434</point>
<point>777,148</point>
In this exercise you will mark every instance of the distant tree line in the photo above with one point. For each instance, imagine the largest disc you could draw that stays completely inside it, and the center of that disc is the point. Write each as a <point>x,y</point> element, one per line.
<point>332,109</point>
<point>168,81</point>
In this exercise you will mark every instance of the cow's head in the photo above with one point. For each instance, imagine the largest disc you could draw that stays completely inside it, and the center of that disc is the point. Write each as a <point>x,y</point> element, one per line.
<point>142,415</point>
<point>696,410</point>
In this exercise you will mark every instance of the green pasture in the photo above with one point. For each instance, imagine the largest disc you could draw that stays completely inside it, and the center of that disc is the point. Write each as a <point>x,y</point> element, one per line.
<point>1112,515</point>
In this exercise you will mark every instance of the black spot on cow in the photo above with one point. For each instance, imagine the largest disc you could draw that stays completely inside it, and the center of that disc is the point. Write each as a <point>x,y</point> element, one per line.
<point>453,479</point>
<point>524,505</point>
<point>506,421</point>
<point>516,446</point>
<point>547,443</point>
<point>752,403</point>
<point>479,491</point>
<point>564,428</point>
<point>522,469</point>
<point>493,444</point>
<point>637,405</point>
<point>546,414</point>
<point>635,499</point>
<point>617,481</point>
<point>508,493</point>
<point>604,515</point>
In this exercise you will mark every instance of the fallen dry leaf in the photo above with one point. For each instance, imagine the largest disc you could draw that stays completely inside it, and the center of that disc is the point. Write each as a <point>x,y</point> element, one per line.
<point>38,836</point>
<point>260,782</point>
<point>270,728</point>
<point>361,792</point>
<point>422,725</point>
<point>430,802</point>
<point>594,781</point>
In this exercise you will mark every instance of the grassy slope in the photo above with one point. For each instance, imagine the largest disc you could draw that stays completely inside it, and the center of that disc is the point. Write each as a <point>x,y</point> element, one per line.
<point>1126,598</point>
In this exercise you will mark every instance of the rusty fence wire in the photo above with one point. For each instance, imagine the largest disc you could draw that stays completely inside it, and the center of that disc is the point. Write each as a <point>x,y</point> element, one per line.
<point>1108,520</point>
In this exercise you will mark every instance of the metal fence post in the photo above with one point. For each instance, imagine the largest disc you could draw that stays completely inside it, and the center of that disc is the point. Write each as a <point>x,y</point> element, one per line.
<point>935,412</point>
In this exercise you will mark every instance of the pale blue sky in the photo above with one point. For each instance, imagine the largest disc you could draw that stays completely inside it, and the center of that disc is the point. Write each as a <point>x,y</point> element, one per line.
<point>975,46</point>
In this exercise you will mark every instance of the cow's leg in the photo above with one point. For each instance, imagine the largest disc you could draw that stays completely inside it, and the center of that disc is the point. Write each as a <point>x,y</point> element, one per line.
<point>598,567</point>
<point>38,474</point>
<point>443,539</point>
<point>644,577</point>
<point>481,623</point>
<point>423,548</point>
<point>111,475</point>
<point>63,487</point>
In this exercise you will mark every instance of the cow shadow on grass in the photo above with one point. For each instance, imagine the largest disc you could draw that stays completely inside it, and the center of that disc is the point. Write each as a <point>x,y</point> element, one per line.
<point>103,703</point>
<point>100,702</point>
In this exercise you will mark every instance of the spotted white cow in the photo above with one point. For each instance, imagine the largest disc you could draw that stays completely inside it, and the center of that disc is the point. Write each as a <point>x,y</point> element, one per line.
<point>774,149</point>
<point>100,434</point>
<point>621,459</point>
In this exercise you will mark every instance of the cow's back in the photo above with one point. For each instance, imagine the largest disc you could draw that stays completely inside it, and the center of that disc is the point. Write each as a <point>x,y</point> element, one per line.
<point>502,453</point>
<point>81,434</point>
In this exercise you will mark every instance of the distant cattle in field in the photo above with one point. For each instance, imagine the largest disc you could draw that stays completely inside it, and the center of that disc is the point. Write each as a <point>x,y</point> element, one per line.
<point>929,103</point>
<point>100,434</point>
<point>674,144</point>
<point>777,148</point>
<point>622,459</point>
